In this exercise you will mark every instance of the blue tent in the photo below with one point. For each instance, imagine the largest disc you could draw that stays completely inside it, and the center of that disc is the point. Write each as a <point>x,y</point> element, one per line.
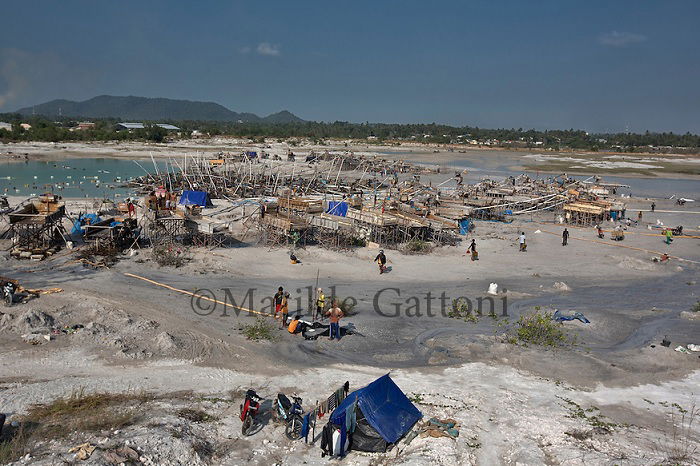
<point>339,208</point>
<point>199,198</point>
<point>382,414</point>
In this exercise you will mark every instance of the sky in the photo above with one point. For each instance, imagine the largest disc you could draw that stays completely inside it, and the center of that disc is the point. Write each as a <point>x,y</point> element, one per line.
<point>601,66</point>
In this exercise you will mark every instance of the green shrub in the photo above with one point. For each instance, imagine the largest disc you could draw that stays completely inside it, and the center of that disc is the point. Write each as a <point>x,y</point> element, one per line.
<point>358,242</point>
<point>169,255</point>
<point>417,246</point>
<point>539,329</point>
<point>262,329</point>
<point>461,310</point>
<point>347,305</point>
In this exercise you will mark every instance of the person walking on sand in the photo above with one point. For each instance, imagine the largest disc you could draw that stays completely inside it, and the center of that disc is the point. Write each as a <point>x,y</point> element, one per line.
<point>381,260</point>
<point>335,314</point>
<point>277,299</point>
<point>320,302</point>
<point>639,216</point>
<point>565,237</point>
<point>669,236</point>
<point>521,240</point>
<point>284,309</point>
<point>472,249</point>
<point>653,206</point>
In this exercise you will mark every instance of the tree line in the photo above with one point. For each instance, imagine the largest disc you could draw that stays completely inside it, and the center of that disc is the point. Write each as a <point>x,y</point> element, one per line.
<point>43,129</point>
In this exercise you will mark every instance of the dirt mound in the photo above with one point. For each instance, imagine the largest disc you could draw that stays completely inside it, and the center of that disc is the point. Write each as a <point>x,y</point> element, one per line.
<point>561,286</point>
<point>632,263</point>
<point>32,321</point>
<point>166,342</point>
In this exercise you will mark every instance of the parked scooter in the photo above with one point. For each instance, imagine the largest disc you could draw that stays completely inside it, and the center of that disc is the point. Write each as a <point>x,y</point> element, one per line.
<point>249,409</point>
<point>289,413</point>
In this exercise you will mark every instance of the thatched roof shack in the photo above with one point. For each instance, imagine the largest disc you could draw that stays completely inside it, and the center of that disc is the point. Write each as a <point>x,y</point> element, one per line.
<point>587,212</point>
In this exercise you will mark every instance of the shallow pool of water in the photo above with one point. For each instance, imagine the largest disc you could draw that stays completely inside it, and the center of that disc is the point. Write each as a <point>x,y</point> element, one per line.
<point>76,177</point>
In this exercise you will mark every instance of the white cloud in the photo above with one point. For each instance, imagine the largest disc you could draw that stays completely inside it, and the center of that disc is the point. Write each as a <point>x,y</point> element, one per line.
<point>266,48</point>
<point>620,39</point>
<point>244,50</point>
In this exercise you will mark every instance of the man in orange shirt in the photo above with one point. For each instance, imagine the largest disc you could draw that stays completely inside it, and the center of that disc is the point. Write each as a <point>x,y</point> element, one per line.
<point>335,315</point>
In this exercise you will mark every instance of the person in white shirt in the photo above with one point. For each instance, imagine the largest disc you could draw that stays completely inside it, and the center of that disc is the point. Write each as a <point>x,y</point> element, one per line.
<point>521,240</point>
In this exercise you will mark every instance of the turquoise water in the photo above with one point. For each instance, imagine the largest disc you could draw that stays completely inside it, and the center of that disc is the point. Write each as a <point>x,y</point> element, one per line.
<point>75,178</point>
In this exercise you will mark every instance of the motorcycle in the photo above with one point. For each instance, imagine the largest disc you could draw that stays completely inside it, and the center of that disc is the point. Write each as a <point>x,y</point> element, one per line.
<point>249,409</point>
<point>289,413</point>
<point>8,292</point>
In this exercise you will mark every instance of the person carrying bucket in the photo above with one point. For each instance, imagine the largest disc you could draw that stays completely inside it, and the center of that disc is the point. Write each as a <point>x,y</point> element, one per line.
<point>472,249</point>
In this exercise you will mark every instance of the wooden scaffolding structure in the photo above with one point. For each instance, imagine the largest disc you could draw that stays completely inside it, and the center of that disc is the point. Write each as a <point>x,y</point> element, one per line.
<point>37,224</point>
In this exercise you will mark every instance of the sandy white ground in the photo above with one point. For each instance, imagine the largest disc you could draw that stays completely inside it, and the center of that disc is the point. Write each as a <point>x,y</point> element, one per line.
<point>511,400</point>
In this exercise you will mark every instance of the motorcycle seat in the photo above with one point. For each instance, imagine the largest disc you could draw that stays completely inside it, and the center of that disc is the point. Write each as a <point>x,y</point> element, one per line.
<point>284,401</point>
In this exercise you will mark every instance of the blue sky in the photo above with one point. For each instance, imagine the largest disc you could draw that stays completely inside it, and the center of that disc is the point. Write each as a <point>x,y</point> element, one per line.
<point>595,65</point>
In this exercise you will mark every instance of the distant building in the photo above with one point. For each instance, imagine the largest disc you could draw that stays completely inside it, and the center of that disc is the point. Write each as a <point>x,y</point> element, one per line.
<point>83,125</point>
<point>5,126</point>
<point>25,126</point>
<point>132,126</point>
<point>168,127</point>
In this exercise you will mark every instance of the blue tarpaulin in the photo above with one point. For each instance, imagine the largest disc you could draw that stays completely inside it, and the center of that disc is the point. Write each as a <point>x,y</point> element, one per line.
<point>559,317</point>
<point>83,220</point>
<point>464,226</point>
<point>199,198</point>
<point>339,208</point>
<point>387,409</point>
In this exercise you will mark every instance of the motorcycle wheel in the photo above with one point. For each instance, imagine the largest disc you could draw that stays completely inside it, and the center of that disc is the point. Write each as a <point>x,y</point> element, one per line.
<point>8,300</point>
<point>293,429</point>
<point>247,425</point>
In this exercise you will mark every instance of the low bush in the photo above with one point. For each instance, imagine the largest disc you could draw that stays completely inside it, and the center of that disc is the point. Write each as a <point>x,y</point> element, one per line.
<point>417,246</point>
<point>262,329</point>
<point>59,419</point>
<point>538,328</point>
<point>170,256</point>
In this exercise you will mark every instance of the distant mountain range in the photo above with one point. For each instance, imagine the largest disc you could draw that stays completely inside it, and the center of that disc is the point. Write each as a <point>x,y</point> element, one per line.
<point>150,109</point>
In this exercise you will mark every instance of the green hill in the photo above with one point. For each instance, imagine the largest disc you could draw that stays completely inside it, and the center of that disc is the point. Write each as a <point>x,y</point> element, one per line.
<point>150,109</point>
